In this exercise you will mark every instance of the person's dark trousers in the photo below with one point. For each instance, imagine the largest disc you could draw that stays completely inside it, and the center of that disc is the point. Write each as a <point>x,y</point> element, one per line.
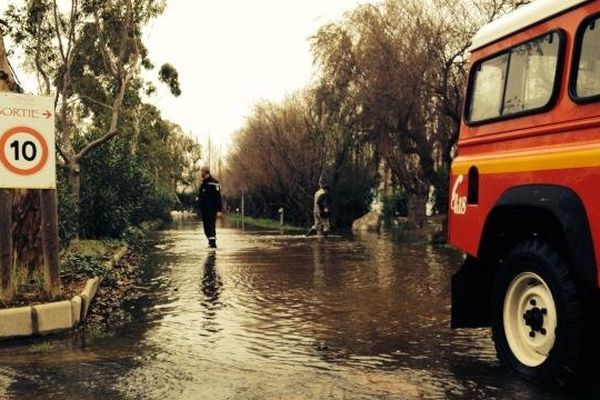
<point>209,220</point>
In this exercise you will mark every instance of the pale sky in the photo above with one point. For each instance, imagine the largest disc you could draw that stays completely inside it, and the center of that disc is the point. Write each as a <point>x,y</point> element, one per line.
<point>231,54</point>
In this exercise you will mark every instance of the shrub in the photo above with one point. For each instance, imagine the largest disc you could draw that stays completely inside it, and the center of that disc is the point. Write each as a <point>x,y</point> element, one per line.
<point>394,205</point>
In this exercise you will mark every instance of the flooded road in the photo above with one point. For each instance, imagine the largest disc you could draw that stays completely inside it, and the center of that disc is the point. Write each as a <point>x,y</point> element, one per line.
<point>276,316</point>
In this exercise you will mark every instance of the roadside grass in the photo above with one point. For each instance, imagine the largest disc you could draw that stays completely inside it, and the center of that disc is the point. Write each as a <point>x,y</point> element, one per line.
<point>84,259</point>
<point>41,348</point>
<point>99,333</point>
<point>94,247</point>
<point>263,223</point>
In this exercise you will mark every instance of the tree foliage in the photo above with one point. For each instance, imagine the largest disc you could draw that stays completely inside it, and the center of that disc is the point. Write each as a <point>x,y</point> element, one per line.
<point>401,66</point>
<point>282,153</point>
<point>88,54</point>
<point>169,75</point>
<point>121,162</point>
<point>388,97</point>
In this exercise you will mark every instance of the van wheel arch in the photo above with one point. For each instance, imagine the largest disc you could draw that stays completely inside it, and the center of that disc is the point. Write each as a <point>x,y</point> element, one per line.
<point>553,214</point>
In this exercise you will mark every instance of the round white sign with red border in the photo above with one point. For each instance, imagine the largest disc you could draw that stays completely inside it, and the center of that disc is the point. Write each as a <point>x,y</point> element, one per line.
<point>25,151</point>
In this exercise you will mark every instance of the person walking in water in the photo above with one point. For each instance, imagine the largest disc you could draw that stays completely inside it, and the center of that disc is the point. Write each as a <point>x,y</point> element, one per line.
<point>321,211</point>
<point>209,197</point>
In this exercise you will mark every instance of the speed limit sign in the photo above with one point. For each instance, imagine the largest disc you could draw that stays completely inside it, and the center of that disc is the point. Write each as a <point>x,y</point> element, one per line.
<point>27,154</point>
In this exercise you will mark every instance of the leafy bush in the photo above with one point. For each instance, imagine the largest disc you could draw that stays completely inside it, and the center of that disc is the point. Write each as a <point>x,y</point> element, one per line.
<point>85,259</point>
<point>394,205</point>
<point>440,195</point>
<point>129,180</point>
<point>117,193</point>
<point>353,194</point>
<point>67,215</point>
<point>187,200</point>
<point>76,267</point>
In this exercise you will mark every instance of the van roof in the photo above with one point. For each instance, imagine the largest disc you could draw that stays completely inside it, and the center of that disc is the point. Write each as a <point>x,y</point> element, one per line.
<point>520,19</point>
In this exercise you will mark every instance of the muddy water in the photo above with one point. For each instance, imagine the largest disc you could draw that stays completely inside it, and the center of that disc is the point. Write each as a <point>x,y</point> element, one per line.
<point>276,316</point>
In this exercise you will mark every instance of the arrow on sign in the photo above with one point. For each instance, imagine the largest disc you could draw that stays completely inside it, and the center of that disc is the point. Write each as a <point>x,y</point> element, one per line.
<point>47,114</point>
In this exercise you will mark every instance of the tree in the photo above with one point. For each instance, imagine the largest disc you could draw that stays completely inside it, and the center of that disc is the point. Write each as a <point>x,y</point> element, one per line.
<point>120,190</point>
<point>285,149</point>
<point>44,229</point>
<point>89,54</point>
<point>401,67</point>
<point>7,84</point>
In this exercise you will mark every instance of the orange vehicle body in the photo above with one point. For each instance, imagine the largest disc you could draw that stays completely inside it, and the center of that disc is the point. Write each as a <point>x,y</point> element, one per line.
<point>559,146</point>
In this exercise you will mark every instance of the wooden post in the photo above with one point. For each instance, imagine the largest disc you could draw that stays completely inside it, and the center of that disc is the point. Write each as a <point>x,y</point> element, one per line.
<point>50,243</point>
<point>6,260</point>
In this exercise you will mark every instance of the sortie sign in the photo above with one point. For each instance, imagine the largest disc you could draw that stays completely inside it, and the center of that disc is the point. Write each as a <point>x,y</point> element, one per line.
<point>27,153</point>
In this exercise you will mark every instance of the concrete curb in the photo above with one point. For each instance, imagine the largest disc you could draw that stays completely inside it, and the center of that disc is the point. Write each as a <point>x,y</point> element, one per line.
<point>44,319</point>
<point>16,322</point>
<point>52,317</point>
<point>87,295</point>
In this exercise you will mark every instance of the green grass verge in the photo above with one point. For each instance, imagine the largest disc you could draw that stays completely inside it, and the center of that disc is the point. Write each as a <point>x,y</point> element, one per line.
<point>84,259</point>
<point>94,247</point>
<point>41,348</point>
<point>262,223</point>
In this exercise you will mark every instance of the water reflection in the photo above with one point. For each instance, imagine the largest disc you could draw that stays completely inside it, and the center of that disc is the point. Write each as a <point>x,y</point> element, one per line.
<point>271,315</point>
<point>212,287</point>
<point>211,283</point>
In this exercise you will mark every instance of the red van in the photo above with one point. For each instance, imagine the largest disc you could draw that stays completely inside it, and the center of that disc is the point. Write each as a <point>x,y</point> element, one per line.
<point>525,187</point>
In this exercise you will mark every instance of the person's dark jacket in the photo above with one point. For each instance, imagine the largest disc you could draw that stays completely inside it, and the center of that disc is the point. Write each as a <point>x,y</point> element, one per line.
<point>209,195</point>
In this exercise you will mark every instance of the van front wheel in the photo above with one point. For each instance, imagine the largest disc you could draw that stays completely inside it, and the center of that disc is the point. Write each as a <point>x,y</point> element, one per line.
<point>537,315</point>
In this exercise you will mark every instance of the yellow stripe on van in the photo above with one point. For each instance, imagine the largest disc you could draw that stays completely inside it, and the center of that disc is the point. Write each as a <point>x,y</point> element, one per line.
<point>529,162</point>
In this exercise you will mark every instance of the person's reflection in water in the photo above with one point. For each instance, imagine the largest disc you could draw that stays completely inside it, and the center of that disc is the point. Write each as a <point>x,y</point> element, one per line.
<point>212,286</point>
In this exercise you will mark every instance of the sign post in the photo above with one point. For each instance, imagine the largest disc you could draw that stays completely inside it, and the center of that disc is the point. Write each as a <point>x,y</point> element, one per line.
<point>28,161</point>
<point>50,242</point>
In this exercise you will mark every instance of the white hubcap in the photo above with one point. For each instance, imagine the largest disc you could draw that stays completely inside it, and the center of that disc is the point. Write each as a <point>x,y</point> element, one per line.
<point>530,319</point>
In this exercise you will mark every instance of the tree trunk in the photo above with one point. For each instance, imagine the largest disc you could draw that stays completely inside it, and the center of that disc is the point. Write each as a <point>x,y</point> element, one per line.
<point>74,179</point>
<point>21,221</point>
<point>137,117</point>
<point>23,216</point>
<point>6,260</point>
<point>441,236</point>
<point>417,217</point>
<point>6,199</point>
<point>27,245</point>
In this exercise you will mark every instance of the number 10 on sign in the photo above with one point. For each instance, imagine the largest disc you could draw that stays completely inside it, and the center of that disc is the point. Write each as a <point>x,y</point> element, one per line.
<point>27,155</point>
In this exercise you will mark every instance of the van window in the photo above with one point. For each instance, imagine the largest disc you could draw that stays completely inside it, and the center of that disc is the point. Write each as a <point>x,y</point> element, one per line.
<point>588,70</point>
<point>488,87</point>
<point>520,80</point>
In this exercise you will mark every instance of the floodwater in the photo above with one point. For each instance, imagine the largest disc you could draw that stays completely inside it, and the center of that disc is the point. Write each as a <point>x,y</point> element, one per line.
<point>276,316</point>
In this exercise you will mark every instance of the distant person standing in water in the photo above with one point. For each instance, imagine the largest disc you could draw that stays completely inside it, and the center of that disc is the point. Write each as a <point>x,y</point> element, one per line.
<point>209,198</point>
<point>321,211</point>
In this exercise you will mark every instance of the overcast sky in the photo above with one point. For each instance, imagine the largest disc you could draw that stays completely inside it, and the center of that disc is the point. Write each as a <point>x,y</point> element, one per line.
<point>231,54</point>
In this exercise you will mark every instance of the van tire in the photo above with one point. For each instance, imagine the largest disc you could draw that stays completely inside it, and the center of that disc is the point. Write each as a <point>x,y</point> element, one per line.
<point>534,294</point>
